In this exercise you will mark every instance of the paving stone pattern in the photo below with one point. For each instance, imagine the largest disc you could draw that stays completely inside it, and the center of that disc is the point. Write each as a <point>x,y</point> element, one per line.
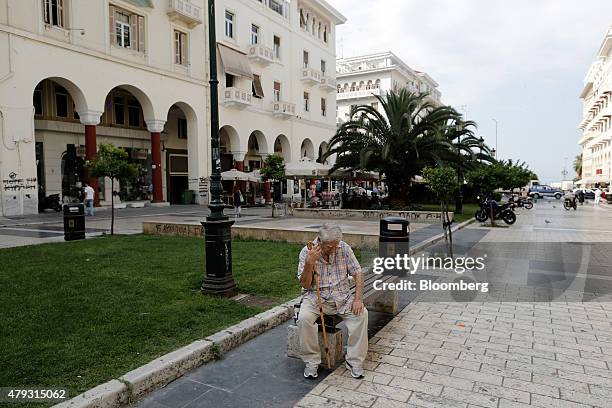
<point>482,355</point>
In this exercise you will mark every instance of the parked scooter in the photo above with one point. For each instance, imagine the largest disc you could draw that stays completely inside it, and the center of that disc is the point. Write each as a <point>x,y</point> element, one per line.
<point>570,201</point>
<point>525,202</point>
<point>51,201</point>
<point>503,212</point>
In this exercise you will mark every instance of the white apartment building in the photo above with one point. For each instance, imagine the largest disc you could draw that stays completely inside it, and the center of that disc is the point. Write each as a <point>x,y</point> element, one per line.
<point>277,78</point>
<point>362,78</point>
<point>76,74</point>
<point>596,124</point>
<point>135,73</point>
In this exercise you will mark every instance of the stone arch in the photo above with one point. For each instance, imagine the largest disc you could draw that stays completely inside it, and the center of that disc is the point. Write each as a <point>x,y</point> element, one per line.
<point>77,95</point>
<point>323,148</point>
<point>259,140</point>
<point>148,111</point>
<point>230,141</point>
<point>282,147</point>
<point>307,149</point>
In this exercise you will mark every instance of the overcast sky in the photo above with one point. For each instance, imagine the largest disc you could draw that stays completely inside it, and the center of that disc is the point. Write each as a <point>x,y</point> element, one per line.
<point>521,62</point>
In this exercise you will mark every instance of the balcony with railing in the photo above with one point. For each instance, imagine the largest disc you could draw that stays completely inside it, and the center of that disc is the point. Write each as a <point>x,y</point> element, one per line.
<point>185,11</point>
<point>357,92</point>
<point>282,109</point>
<point>311,75</point>
<point>328,83</point>
<point>261,54</point>
<point>237,98</point>
<point>586,136</point>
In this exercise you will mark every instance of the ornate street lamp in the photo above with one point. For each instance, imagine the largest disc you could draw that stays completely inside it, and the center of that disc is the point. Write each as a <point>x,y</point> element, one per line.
<point>218,278</point>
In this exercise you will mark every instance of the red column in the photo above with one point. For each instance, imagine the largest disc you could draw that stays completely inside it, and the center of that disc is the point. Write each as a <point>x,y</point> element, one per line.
<point>90,154</point>
<point>267,193</point>
<point>158,194</point>
<point>239,165</point>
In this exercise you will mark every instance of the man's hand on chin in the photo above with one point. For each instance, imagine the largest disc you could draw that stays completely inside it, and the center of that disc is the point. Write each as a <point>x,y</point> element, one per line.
<point>357,307</point>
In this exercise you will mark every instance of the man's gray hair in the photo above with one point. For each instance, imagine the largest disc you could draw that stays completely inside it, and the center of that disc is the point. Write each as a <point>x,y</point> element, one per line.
<point>330,232</point>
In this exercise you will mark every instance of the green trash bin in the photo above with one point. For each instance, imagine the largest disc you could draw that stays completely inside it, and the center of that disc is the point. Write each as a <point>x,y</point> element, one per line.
<point>187,196</point>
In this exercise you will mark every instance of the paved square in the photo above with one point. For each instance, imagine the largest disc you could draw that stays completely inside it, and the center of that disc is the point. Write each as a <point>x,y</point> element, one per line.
<point>501,351</point>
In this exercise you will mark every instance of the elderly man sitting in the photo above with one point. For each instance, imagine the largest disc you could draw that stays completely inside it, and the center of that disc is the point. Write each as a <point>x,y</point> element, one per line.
<point>333,261</point>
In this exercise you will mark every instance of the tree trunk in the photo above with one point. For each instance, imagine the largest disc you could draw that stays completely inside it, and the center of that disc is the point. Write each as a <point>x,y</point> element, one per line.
<point>112,206</point>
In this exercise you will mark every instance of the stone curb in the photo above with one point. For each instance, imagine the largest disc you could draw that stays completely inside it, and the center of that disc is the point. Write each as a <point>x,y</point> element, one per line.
<point>161,371</point>
<point>110,394</point>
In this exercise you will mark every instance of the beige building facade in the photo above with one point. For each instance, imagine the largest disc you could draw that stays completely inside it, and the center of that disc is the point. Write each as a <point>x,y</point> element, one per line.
<point>361,78</point>
<point>134,73</point>
<point>596,124</point>
<point>277,80</point>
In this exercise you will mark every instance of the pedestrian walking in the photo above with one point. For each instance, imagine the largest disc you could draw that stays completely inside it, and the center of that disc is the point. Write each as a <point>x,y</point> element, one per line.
<point>238,200</point>
<point>597,196</point>
<point>323,272</point>
<point>89,199</point>
<point>581,196</point>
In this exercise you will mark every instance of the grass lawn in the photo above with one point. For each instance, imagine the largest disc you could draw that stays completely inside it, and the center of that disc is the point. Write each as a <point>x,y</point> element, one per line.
<point>78,314</point>
<point>468,210</point>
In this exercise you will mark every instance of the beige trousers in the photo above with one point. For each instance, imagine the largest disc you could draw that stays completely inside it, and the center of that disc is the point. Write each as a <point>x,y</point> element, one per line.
<point>357,344</point>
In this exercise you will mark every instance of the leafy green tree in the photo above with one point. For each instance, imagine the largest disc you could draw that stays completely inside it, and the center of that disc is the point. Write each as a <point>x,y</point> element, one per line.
<point>507,175</point>
<point>442,181</point>
<point>398,143</point>
<point>112,162</point>
<point>274,170</point>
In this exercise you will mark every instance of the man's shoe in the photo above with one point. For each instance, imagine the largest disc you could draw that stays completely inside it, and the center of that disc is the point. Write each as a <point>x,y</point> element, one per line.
<point>310,371</point>
<point>356,372</point>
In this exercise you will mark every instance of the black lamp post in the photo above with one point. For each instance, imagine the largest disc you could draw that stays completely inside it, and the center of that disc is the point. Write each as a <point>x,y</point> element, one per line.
<point>459,196</point>
<point>218,278</point>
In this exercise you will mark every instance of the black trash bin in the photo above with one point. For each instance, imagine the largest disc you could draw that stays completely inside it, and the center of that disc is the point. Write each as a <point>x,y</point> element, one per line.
<point>74,222</point>
<point>394,239</point>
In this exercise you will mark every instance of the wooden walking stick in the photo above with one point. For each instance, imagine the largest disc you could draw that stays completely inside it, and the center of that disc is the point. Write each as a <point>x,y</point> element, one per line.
<point>325,344</point>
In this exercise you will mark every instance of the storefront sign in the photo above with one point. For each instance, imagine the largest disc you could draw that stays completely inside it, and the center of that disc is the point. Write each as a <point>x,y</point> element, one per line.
<point>139,154</point>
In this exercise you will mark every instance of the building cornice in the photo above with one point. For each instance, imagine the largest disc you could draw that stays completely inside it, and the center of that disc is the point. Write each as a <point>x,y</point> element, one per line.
<point>95,54</point>
<point>338,18</point>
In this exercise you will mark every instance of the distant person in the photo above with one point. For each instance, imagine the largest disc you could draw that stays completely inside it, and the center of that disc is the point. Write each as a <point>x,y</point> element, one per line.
<point>238,200</point>
<point>581,196</point>
<point>89,199</point>
<point>597,196</point>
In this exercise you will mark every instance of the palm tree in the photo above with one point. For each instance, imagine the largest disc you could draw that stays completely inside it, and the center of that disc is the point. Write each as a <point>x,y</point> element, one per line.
<point>578,165</point>
<point>399,143</point>
<point>468,150</point>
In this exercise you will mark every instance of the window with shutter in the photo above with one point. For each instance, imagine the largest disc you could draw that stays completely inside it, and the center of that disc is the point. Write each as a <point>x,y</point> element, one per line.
<point>134,31</point>
<point>111,21</point>
<point>127,29</point>
<point>180,48</point>
<point>257,88</point>
<point>53,12</point>
<point>277,45</point>
<point>141,34</point>
<point>277,91</point>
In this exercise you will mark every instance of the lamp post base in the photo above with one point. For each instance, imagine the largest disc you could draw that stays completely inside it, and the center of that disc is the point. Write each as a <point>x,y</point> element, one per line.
<point>218,279</point>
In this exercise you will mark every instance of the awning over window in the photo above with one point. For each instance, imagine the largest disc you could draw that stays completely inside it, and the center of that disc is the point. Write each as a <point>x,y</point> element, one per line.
<point>235,62</point>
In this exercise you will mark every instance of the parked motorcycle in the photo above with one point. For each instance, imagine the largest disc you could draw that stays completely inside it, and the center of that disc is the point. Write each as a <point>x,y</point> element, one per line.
<point>503,212</point>
<point>570,202</point>
<point>51,201</point>
<point>523,202</point>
